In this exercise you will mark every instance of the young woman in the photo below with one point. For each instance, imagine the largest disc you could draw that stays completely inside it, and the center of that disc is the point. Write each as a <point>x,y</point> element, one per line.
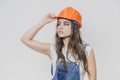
<point>71,57</point>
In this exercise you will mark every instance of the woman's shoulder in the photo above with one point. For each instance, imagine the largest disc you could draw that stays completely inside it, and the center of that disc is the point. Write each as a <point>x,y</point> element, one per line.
<point>87,47</point>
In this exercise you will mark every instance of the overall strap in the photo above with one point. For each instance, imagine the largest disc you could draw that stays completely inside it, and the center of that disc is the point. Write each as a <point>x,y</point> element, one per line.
<point>51,68</point>
<point>84,46</point>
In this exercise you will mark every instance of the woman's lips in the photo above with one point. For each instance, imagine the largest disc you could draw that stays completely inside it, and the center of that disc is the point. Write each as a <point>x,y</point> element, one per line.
<point>60,32</point>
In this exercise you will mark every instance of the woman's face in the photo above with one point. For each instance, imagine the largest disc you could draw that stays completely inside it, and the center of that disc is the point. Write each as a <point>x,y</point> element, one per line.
<point>64,28</point>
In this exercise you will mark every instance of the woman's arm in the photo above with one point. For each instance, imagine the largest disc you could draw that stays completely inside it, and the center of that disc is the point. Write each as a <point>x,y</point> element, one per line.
<point>28,36</point>
<point>92,66</point>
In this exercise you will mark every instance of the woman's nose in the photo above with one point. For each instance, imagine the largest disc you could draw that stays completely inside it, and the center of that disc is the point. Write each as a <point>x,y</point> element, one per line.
<point>60,27</point>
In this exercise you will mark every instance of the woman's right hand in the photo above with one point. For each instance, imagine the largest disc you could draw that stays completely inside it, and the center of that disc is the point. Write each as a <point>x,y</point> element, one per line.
<point>48,18</point>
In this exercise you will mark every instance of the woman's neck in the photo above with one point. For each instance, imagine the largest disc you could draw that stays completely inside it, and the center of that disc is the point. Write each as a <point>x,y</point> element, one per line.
<point>66,41</point>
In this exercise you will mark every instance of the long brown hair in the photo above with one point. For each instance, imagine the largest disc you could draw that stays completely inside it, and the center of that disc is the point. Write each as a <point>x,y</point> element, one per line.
<point>74,46</point>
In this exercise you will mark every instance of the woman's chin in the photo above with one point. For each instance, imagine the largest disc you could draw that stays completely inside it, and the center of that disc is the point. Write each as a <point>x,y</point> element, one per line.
<point>61,36</point>
<point>64,36</point>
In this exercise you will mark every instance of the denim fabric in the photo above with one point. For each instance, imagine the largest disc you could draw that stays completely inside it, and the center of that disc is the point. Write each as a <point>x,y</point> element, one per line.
<point>72,72</point>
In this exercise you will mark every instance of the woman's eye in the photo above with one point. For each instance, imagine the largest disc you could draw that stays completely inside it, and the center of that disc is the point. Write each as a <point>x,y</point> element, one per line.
<point>66,24</point>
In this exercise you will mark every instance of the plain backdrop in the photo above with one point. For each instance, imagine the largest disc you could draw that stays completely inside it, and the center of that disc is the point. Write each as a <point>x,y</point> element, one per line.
<point>101,29</point>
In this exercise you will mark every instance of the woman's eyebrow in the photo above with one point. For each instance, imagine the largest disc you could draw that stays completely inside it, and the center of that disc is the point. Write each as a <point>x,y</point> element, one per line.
<point>66,22</point>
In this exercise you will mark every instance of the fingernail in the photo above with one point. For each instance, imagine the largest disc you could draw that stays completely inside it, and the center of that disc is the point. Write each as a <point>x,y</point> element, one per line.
<point>55,17</point>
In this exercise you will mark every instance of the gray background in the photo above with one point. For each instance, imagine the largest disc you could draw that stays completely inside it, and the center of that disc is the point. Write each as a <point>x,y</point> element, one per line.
<point>101,22</point>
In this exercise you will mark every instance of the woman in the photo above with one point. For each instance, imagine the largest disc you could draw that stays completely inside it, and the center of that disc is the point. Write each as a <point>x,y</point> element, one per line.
<point>71,57</point>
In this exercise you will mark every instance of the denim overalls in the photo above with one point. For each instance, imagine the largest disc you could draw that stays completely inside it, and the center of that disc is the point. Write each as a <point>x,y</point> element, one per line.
<point>72,73</point>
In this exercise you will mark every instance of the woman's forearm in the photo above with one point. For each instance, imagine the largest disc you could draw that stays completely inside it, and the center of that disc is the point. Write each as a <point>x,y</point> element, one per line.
<point>30,34</point>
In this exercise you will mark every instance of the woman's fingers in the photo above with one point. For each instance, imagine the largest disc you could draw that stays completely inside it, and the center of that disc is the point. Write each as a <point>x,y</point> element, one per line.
<point>49,18</point>
<point>51,14</point>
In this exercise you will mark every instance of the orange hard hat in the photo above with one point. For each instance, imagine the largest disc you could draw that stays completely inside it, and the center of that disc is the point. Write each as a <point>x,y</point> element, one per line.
<point>71,14</point>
